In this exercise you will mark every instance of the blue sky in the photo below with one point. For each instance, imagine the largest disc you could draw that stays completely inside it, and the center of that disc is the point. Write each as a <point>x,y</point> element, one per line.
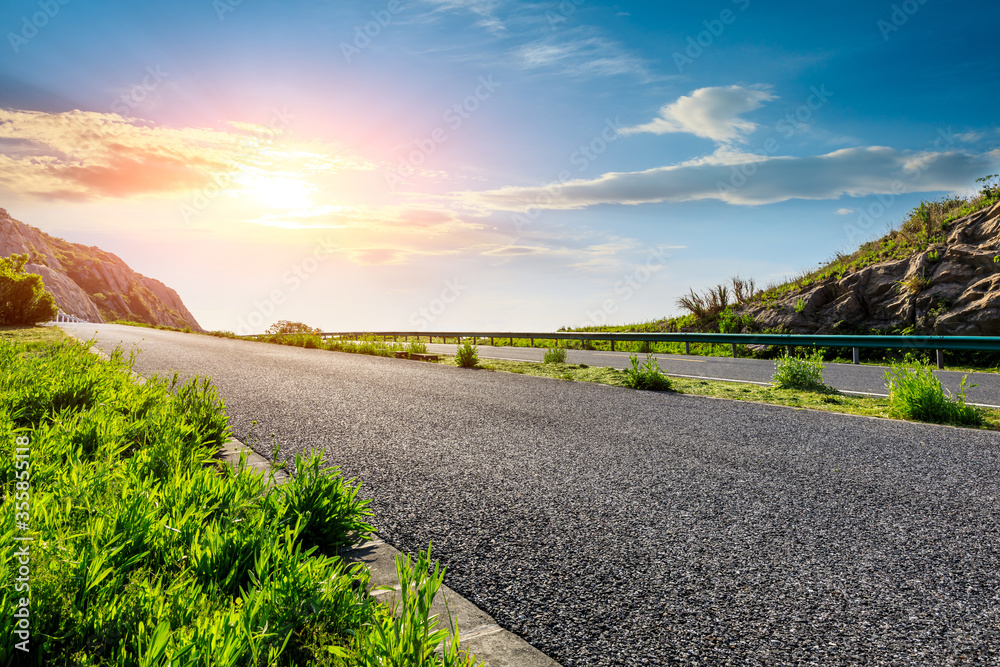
<point>447,164</point>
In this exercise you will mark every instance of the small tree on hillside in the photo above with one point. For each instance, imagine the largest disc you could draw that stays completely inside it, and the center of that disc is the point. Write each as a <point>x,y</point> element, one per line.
<point>286,327</point>
<point>23,299</point>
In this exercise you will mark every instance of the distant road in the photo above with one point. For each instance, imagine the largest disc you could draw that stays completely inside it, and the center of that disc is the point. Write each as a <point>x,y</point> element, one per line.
<point>614,527</point>
<point>845,377</point>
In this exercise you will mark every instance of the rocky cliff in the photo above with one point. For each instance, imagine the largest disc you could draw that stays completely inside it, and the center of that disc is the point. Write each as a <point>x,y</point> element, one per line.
<point>951,288</point>
<point>90,283</point>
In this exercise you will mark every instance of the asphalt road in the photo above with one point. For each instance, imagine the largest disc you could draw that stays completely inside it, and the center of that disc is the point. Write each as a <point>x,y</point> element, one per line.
<point>615,527</point>
<point>982,388</point>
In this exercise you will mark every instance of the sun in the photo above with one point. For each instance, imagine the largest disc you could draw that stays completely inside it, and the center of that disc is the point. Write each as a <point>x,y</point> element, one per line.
<point>282,192</point>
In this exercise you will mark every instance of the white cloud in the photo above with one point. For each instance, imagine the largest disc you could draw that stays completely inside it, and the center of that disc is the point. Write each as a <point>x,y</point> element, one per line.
<point>753,180</point>
<point>484,10</point>
<point>579,52</point>
<point>844,211</point>
<point>711,113</point>
<point>970,137</point>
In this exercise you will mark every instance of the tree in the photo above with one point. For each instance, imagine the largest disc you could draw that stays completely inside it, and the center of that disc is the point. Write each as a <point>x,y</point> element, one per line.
<point>23,299</point>
<point>286,327</point>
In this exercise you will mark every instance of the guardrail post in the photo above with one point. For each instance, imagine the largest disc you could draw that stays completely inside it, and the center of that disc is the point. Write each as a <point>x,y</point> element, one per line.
<point>687,347</point>
<point>788,349</point>
<point>612,346</point>
<point>491,342</point>
<point>856,354</point>
<point>734,350</point>
<point>532,342</point>
<point>940,358</point>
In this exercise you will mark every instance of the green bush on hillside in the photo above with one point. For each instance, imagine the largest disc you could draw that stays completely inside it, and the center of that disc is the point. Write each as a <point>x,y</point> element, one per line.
<point>23,299</point>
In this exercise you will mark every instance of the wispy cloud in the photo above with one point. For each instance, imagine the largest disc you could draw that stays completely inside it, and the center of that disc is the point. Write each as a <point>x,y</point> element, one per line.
<point>536,37</point>
<point>485,12</point>
<point>754,179</point>
<point>580,52</point>
<point>712,113</point>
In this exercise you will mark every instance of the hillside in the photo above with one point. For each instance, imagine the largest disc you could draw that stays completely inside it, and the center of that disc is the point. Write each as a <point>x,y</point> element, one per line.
<point>946,283</point>
<point>937,273</point>
<point>92,284</point>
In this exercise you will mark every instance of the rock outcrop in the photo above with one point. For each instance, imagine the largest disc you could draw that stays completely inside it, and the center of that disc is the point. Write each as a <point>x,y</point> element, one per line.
<point>950,289</point>
<point>92,284</point>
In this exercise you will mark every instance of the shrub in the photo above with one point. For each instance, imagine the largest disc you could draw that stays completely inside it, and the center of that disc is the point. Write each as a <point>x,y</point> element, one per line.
<point>287,327</point>
<point>417,347</point>
<point>800,305</point>
<point>648,376</point>
<point>916,393</point>
<point>555,355</point>
<point>467,355</point>
<point>800,373</point>
<point>331,513</point>
<point>23,299</point>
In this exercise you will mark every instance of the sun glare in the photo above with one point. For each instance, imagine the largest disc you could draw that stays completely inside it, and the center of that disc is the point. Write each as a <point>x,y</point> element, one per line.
<point>281,192</point>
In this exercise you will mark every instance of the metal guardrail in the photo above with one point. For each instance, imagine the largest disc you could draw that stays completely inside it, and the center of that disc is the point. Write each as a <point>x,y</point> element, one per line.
<point>938,343</point>
<point>63,317</point>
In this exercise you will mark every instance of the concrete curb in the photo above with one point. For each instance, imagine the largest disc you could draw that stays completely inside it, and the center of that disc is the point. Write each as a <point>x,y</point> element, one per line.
<point>478,631</point>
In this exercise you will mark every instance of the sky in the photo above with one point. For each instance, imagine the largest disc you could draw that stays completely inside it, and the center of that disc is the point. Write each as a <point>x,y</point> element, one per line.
<point>442,165</point>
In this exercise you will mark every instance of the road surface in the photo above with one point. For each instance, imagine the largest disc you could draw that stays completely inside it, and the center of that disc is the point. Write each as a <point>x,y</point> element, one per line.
<point>614,527</point>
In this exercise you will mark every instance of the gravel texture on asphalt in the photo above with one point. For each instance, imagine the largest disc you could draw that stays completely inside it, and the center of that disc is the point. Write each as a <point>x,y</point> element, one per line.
<point>613,527</point>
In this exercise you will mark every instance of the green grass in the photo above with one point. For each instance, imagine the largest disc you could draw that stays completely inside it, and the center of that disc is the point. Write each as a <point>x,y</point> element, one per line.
<point>35,334</point>
<point>147,551</point>
<point>804,373</point>
<point>648,376</point>
<point>467,356</point>
<point>916,393</point>
<point>554,355</point>
<point>145,325</point>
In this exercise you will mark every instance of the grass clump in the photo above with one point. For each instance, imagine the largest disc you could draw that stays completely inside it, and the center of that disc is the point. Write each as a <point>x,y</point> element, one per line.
<point>410,635</point>
<point>467,355</point>
<point>555,355</point>
<point>146,551</point>
<point>647,376</point>
<point>800,372</point>
<point>416,347</point>
<point>916,393</point>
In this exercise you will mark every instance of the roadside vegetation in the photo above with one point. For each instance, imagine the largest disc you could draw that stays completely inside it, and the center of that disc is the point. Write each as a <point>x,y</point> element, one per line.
<point>817,398</point>
<point>554,355</point>
<point>916,393</point>
<point>647,376</point>
<point>467,356</point>
<point>23,299</point>
<point>804,373</point>
<point>147,551</point>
